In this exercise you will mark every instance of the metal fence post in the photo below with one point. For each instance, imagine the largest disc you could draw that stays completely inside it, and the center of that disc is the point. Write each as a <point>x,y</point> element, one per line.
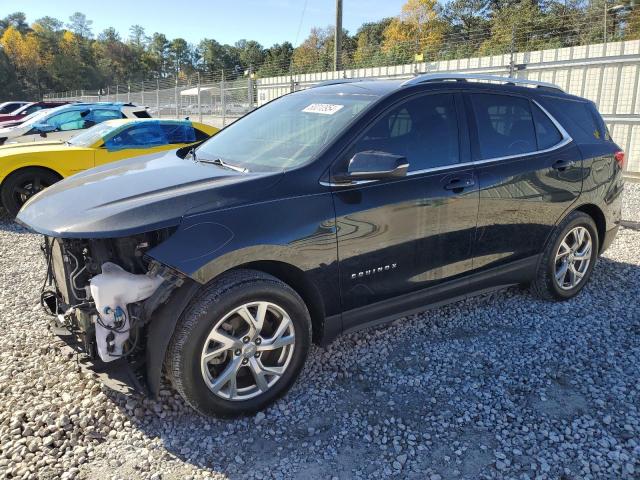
<point>223,101</point>
<point>158,97</point>
<point>199,104</point>
<point>250,88</point>
<point>117,91</point>
<point>176,99</point>
<point>128,93</point>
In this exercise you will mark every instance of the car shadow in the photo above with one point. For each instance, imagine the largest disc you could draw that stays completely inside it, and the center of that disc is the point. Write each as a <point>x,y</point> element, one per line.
<point>296,435</point>
<point>8,224</point>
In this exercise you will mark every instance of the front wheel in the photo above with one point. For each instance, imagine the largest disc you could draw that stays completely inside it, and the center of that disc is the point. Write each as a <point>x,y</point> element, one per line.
<point>20,186</point>
<point>239,345</point>
<point>568,260</point>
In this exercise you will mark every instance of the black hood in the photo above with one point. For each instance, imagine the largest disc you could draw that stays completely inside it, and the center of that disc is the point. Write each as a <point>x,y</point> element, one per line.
<point>137,195</point>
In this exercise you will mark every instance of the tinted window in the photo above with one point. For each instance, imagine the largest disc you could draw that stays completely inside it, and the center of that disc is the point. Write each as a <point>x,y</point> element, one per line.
<point>142,114</point>
<point>139,136</point>
<point>31,109</point>
<point>423,129</point>
<point>200,135</point>
<point>178,133</point>
<point>10,107</point>
<point>546,132</point>
<point>505,125</point>
<point>585,119</point>
<point>98,116</point>
<point>73,120</point>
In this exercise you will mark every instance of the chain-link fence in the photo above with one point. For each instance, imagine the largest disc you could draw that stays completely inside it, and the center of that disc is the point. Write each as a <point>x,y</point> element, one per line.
<point>203,99</point>
<point>607,73</point>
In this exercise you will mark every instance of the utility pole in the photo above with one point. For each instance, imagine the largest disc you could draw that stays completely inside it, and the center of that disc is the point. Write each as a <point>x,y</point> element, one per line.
<point>337,44</point>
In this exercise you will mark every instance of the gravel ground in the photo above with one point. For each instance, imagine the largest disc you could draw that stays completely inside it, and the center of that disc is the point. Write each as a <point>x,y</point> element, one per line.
<point>500,386</point>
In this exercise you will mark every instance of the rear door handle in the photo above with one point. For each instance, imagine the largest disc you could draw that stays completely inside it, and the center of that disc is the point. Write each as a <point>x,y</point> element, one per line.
<point>563,164</point>
<point>458,184</point>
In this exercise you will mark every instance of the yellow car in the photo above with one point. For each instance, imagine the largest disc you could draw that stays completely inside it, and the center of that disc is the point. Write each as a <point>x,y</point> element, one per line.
<point>27,168</point>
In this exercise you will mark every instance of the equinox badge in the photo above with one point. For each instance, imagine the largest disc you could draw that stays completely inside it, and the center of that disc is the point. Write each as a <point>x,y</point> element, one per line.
<point>373,271</point>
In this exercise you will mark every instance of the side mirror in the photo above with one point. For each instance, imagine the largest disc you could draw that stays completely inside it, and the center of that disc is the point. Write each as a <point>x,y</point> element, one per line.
<point>372,165</point>
<point>44,128</point>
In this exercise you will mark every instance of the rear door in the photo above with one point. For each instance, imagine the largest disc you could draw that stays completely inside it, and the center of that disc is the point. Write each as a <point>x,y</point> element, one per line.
<point>529,174</point>
<point>399,236</point>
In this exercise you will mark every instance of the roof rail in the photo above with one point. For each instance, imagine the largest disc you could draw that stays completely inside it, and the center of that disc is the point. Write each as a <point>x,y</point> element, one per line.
<point>337,81</point>
<point>463,77</point>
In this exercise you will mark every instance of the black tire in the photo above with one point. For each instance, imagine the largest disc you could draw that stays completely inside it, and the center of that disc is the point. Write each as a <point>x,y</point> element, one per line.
<point>544,285</point>
<point>213,303</point>
<point>21,185</point>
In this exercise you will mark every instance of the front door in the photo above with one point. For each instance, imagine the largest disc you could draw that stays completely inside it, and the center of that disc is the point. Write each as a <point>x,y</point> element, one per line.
<point>402,235</point>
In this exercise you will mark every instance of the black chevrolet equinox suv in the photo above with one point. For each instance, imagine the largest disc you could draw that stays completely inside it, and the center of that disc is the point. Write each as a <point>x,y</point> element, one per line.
<point>325,211</point>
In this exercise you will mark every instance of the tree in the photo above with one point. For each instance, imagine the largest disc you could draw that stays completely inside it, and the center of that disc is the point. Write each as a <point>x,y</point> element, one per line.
<point>316,52</point>
<point>158,53</point>
<point>80,25</point>
<point>521,25</point>
<point>24,52</point>
<point>17,20</point>
<point>418,30</point>
<point>277,60</point>
<point>49,23</point>
<point>180,57</point>
<point>369,38</point>
<point>467,22</point>
<point>250,52</point>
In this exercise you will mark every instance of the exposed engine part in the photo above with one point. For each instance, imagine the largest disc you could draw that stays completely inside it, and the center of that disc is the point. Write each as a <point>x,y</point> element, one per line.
<point>112,291</point>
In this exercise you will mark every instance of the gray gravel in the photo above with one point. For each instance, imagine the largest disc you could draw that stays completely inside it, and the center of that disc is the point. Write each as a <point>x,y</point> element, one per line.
<point>500,386</point>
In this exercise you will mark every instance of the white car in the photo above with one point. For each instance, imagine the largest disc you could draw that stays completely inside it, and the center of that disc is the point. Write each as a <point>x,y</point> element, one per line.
<point>62,123</point>
<point>9,107</point>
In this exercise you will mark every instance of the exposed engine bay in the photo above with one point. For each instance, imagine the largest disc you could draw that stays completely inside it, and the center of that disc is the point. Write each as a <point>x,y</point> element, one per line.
<point>103,292</point>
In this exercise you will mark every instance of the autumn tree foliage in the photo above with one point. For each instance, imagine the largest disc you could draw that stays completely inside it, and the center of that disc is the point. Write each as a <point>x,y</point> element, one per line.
<point>52,55</point>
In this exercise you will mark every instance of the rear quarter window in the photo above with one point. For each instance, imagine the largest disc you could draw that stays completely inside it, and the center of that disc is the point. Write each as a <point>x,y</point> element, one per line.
<point>580,118</point>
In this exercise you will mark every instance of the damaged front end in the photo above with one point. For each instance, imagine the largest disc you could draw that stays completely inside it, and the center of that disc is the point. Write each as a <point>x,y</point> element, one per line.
<point>101,294</point>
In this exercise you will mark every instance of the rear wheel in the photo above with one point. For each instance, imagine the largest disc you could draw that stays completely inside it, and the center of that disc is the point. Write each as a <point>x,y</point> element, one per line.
<point>568,260</point>
<point>240,344</point>
<point>20,186</point>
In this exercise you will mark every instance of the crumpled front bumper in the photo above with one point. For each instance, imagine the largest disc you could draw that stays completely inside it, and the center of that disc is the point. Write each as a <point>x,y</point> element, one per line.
<point>119,375</point>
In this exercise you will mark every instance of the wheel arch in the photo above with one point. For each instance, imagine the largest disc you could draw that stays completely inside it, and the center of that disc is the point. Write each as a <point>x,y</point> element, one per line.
<point>300,282</point>
<point>164,319</point>
<point>29,167</point>
<point>599,219</point>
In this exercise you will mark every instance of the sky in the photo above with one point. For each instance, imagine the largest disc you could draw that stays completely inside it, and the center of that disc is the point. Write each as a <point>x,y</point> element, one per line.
<point>267,21</point>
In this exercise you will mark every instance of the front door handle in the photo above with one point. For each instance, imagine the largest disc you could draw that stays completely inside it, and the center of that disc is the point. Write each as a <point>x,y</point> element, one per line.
<point>563,164</point>
<point>458,184</point>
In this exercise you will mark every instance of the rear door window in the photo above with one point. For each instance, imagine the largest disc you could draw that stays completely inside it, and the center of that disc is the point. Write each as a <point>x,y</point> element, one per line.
<point>505,125</point>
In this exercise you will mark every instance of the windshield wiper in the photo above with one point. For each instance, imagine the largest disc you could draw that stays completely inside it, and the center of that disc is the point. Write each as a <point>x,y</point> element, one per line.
<point>222,163</point>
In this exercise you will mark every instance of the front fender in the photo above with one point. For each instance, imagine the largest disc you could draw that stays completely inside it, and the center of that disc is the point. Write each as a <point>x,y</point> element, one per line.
<point>297,231</point>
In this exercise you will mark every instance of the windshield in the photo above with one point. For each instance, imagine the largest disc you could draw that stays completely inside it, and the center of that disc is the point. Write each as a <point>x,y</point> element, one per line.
<point>91,135</point>
<point>38,116</point>
<point>285,133</point>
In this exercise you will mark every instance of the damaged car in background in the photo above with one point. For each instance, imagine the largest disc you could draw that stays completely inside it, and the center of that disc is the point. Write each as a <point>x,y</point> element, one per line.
<point>322,212</point>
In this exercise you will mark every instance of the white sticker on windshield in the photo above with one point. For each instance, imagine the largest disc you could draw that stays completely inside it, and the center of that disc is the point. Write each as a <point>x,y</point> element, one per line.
<point>323,108</point>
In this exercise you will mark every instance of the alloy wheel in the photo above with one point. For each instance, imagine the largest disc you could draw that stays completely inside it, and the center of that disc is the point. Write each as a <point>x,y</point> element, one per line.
<point>248,351</point>
<point>28,189</point>
<point>573,258</point>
